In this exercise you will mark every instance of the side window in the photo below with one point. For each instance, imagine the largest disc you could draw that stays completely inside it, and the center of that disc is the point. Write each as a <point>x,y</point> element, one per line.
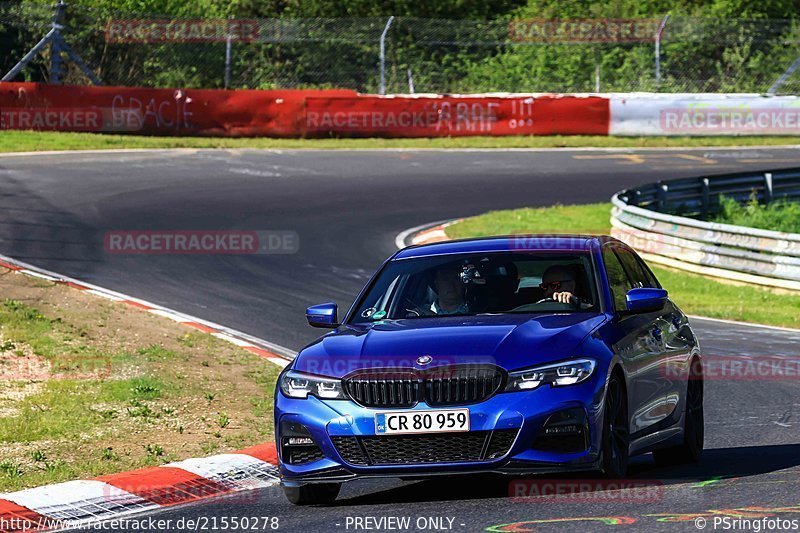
<point>617,278</point>
<point>649,273</point>
<point>637,273</point>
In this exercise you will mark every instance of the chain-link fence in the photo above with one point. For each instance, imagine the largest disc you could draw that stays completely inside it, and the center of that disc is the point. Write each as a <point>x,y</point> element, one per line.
<point>664,54</point>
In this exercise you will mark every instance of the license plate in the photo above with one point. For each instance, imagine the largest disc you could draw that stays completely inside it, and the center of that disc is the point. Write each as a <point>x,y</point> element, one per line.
<point>441,421</point>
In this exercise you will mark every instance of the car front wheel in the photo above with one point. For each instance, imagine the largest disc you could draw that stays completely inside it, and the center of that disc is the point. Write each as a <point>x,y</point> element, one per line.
<point>616,436</point>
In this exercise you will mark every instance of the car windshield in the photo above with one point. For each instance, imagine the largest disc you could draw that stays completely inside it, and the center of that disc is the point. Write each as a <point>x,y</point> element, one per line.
<point>477,284</point>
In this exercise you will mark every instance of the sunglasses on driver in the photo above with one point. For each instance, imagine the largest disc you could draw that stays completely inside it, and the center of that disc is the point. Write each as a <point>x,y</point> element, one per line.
<point>554,285</point>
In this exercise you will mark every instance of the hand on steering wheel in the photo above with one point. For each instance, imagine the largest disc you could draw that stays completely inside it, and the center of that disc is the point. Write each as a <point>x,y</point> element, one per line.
<point>413,308</point>
<point>562,298</point>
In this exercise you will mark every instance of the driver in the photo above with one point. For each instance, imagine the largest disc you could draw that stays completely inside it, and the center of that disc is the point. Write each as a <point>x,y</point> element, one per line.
<point>450,291</point>
<point>558,283</point>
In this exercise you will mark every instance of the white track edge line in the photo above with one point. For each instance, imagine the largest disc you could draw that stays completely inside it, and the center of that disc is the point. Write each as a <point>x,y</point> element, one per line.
<point>749,324</point>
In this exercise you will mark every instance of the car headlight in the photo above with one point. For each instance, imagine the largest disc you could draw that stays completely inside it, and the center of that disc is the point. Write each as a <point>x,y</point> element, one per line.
<point>556,374</point>
<point>299,385</point>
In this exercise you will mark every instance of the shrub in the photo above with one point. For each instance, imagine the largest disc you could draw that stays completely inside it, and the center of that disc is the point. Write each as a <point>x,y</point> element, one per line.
<point>780,215</point>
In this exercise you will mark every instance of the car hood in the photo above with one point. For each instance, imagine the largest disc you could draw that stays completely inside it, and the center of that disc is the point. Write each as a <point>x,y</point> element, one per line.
<point>509,341</point>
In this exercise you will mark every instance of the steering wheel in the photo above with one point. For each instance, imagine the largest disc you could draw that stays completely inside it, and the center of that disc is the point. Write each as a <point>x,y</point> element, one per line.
<point>414,309</point>
<point>573,300</point>
<point>531,307</point>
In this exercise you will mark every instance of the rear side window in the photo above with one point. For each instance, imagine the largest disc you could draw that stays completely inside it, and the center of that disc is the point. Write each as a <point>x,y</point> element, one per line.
<point>617,278</point>
<point>649,273</point>
<point>638,273</point>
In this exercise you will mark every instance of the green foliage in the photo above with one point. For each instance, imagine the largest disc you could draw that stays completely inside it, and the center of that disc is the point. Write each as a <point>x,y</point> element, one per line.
<point>719,52</point>
<point>175,8</point>
<point>590,218</point>
<point>560,9</point>
<point>154,450</point>
<point>716,53</point>
<point>39,456</point>
<point>10,469</point>
<point>780,215</point>
<point>23,324</point>
<point>475,9</point>
<point>156,352</point>
<point>108,454</point>
<point>65,408</point>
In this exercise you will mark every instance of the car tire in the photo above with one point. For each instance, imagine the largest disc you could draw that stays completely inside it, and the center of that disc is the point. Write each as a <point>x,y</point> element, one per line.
<point>691,449</point>
<point>616,433</point>
<point>312,493</point>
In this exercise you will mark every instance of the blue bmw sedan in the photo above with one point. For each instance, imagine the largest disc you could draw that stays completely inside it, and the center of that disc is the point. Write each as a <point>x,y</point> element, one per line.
<point>516,355</point>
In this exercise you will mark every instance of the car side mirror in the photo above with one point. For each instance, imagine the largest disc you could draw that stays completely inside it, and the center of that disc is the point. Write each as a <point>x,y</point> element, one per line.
<point>322,315</point>
<point>644,300</point>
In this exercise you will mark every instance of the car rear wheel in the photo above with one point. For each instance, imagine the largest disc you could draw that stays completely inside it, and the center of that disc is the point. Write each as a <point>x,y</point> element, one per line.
<point>694,428</point>
<point>616,435</point>
<point>313,493</point>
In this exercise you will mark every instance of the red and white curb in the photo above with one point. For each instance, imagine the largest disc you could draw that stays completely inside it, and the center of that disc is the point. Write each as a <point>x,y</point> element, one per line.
<point>265,349</point>
<point>76,503</point>
<point>425,234</point>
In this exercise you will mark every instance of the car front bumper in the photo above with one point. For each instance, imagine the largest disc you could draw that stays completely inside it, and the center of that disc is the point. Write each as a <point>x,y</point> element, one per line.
<point>527,412</point>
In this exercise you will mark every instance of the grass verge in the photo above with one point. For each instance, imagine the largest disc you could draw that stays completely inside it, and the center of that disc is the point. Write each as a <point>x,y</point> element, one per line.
<point>779,215</point>
<point>695,294</point>
<point>90,387</point>
<point>31,141</point>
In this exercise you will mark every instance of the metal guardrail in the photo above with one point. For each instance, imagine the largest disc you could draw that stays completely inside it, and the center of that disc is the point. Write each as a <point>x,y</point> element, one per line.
<point>664,221</point>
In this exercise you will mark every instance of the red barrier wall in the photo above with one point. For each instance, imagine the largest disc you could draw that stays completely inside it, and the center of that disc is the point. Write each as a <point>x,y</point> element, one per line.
<point>375,116</point>
<point>292,113</point>
<point>155,111</point>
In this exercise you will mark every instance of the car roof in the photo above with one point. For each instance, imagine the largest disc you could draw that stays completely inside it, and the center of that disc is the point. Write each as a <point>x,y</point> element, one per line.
<point>507,243</point>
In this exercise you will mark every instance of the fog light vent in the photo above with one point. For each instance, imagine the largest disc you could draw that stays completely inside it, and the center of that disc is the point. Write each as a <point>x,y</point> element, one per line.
<point>299,441</point>
<point>297,446</point>
<point>564,432</point>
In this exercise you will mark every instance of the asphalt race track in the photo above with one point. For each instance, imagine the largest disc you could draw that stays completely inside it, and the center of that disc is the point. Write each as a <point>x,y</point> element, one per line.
<point>347,208</point>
